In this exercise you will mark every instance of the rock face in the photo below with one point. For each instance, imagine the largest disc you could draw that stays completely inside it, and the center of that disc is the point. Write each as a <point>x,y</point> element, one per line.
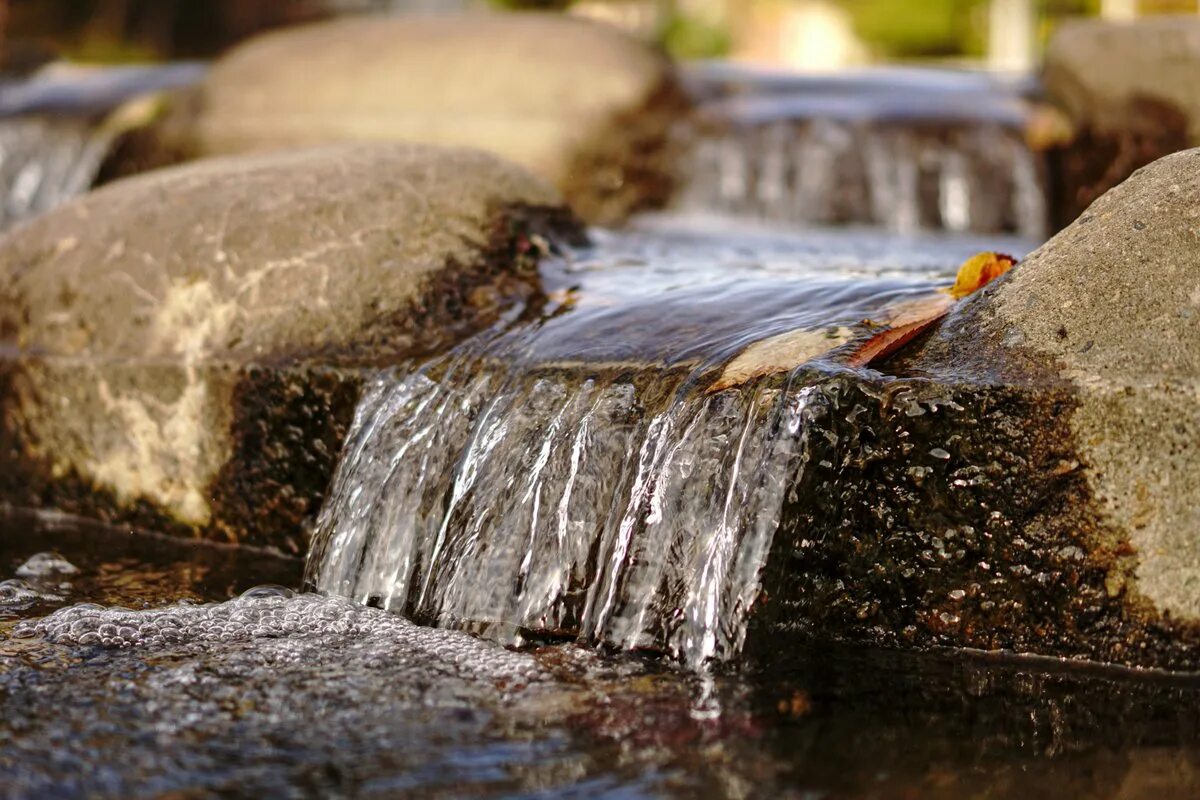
<point>1111,307</point>
<point>181,348</point>
<point>581,105</point>
<point>1131,93</point>
<point>1028,479</point>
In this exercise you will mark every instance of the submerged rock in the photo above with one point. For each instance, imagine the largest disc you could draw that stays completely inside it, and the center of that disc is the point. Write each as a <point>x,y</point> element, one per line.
<point>1131,93</point>
<point>182,348</point>
<point>579,104</point>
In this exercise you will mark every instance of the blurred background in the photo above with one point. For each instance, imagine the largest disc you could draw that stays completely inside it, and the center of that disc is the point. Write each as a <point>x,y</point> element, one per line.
<point>791,34</point>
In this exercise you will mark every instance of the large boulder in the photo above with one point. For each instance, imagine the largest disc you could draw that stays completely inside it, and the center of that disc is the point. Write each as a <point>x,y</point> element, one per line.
<point>183,349</point>
<point>580,104</point>
<point>1027,479</point>
<point>1130,91</point>
<point>1110,308</point>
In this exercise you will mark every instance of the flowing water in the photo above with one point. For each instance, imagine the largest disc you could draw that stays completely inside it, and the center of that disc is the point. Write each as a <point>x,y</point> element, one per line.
<point>190,682</point>
<point>903,150</point>
<point>56,130</point>
<point>569,475</point>
<point>572,475</point>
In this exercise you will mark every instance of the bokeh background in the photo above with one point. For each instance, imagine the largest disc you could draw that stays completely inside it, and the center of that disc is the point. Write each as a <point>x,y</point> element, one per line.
<point>792,34</point>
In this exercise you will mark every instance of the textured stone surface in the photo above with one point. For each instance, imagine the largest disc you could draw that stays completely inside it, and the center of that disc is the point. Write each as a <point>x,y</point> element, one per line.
<point>1110,310</point>
<point>183,347</point>
<point>578,103</point>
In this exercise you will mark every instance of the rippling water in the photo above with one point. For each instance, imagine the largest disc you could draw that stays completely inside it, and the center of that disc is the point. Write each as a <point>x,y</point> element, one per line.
<point>270,694</point>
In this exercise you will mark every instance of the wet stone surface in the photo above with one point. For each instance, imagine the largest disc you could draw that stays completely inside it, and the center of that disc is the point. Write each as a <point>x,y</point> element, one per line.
<point>284,695</point>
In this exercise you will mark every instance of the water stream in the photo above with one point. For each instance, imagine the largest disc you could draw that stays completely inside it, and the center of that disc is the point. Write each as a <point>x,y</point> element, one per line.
<point>56,129</point>
<point>905,150</point>
<point>572,475</point>
<point>568,477</point>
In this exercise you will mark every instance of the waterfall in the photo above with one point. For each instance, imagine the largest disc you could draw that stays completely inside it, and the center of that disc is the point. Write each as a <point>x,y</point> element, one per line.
<point>571,476</point>
<point>522,504</point>
<point>55,129</point>
<point>930,151</point>
<point>45,161</point>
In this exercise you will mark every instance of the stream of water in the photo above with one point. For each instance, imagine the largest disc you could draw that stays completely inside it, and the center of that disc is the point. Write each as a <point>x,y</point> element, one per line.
<point>573,475</point>
<point>592,471</point>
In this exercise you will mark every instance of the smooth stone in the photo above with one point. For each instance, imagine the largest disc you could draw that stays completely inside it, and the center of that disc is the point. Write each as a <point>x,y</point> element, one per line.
<point>184,349</point>
<point>580,104</point>
<point>1096,68</point>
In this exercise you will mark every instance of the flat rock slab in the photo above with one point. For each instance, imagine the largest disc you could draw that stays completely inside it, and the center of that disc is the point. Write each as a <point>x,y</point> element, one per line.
<point>580,104</point>
<point>183,348</point>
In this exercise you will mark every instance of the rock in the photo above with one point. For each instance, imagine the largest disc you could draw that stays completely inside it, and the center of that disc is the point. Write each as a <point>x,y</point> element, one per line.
<point>1027,480</point>
<point>183,349</point>
<point>579,104</point>
<point>1130,90</point>
<point>1095,68</point>
<point>1111,306</point>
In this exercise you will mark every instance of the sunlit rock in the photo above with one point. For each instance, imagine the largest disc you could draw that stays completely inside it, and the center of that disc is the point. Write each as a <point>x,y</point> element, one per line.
<point>173,341</point>
<point>1088,354</point>
<point>578,103</point>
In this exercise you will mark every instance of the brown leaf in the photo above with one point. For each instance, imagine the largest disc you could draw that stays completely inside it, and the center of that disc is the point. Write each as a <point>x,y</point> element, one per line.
<point>908,320</point>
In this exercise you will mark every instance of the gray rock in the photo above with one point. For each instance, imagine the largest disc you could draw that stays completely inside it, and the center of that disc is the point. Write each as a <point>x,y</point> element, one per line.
<point>1096,69</point>
<point>579,104</point>
<point>182,348</point>
<point>1105,316</point>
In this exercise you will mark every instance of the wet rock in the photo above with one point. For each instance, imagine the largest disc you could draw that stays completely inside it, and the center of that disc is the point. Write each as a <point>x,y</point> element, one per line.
<point>579,104</point>
<point>1130,91</point>
<point>1110,308</point>
<point>1029,481</point>
<point>183,348</point>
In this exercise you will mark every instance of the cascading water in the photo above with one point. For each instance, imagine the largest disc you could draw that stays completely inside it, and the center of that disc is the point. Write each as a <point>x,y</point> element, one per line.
<point>934,152</point>
<point>44,161</point>
<point>55,129</point>
<point>571,476</point>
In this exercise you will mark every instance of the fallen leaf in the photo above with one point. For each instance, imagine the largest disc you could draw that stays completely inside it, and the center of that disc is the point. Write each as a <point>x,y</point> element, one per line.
<point>906,321</point>
<point>978,271</point>
<point>781,353</point>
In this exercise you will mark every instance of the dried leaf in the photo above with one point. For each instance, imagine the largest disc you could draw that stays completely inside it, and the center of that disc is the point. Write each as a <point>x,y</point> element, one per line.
<point>888,341</point>
<point>978,271</point>
<point>781,353</point>
<point>908,320</point>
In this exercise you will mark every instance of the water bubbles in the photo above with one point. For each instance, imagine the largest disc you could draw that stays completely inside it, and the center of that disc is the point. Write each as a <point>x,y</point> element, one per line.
<point>45,565</point>
<point>267,590</point>
<point>16,592</point>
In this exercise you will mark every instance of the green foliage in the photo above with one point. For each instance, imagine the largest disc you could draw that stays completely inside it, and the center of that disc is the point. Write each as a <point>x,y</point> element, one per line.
<point>540,5</point>
<point>689,37</point>
<point>918,28</point>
